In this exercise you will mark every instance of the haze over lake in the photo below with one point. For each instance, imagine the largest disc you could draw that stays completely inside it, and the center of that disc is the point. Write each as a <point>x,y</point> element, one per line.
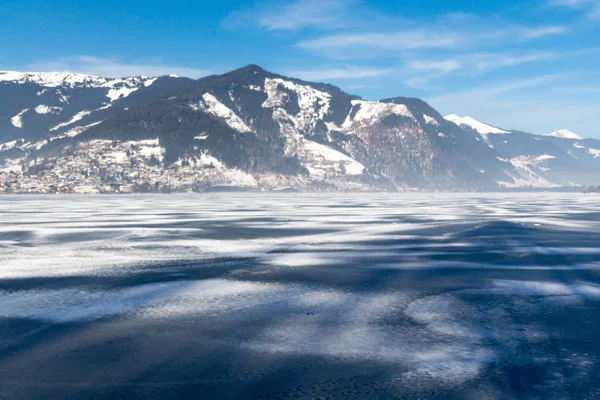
<point>345,296</point>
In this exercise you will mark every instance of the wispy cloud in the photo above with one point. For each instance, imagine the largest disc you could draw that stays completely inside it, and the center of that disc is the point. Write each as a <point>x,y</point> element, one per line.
<point>304,13</point>
<point>481,95</point>
<point>526,104</point>
<point>109,67</point>
<point>439,53</point>
<point>529,33</point>
<point>591,7</point>
<point>339,73</point>
<point>481,63</point>
<point>571,3</point>
<point>359,45</point>
<point>407,40</point>
<point>478,63</point>
<point>443,66</point>
<point>421,72</point>
<point>300,14</point>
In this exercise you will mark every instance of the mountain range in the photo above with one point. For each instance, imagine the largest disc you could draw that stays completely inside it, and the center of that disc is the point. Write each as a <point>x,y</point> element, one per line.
<point>256,130</point>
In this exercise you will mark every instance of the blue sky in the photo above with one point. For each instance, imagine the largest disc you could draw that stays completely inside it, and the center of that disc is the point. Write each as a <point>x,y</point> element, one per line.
<point>529,65</point>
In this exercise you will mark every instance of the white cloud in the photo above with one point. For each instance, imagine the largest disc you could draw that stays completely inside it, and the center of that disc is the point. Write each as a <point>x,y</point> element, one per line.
<point>481,96</point>
<point>298,14</point>
<point>303,13</point>
<point>529,33</point>
<point>418,39</point>
<point>339,73</point>
<point>478,63</point>
<point>486,62</point>
<point>423,71</point>
<point>591,7</point>
<point>358,45</point>
<point>443,66</point>
<point>107,67</point>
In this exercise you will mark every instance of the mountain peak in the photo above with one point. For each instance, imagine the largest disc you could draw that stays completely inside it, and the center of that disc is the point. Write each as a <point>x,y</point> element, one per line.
<point>253,68</point>
<point>474,124</point>
<point>451,117</point>
<point>564,134</point>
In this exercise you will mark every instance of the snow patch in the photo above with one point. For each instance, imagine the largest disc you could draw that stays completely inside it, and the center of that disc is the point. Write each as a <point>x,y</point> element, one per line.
<point>430,120</point>
<point>17,120</point>
<point>75,131</point>
<point>149,82</point>
<point>213,106</point>
<point>370,112</point>
<point>8,145</point>
<point>528,168</point>
<point>594,152</point>
<point>323,158</point>
<point>120,93</point>
<point>78,117</point>
<point>314,104</point>
<point>44,109</point>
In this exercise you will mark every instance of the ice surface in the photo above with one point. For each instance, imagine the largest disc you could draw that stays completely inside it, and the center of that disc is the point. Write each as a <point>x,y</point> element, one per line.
<point>429,291</point>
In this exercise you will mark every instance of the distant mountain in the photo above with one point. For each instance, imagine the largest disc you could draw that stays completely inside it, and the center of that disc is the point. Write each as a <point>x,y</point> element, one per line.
<point>564,134</point>
<point>561,158</point>
<point>256,130</point>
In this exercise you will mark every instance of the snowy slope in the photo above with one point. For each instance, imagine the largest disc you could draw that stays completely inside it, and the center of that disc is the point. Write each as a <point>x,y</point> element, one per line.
<point>472,123</point>
<point>57,100</point>
<point>564,134</point>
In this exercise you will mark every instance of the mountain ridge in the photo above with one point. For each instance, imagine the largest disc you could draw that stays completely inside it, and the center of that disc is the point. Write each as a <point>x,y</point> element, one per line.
<point>247,127</point>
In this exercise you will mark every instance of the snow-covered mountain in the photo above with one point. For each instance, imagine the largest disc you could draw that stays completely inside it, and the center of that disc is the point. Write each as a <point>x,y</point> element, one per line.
<point>247,128</point>
<point>40,105</point>
<point>561,158</point>
<point>564,134</point>
<point>472,123</point>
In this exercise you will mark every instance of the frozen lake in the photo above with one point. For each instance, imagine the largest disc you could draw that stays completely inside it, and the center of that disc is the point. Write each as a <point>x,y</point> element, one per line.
<point>297,296</point>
